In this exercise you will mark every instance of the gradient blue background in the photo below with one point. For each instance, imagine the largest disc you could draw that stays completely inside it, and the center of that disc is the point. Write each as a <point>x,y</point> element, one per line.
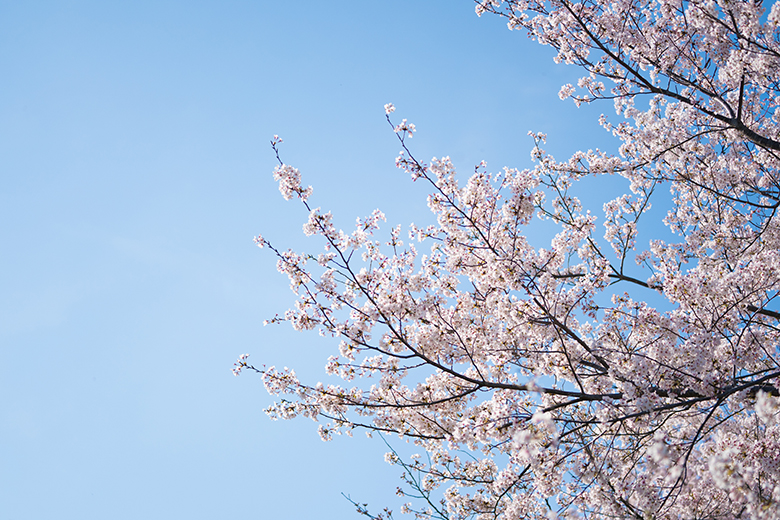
<point>135,171</point>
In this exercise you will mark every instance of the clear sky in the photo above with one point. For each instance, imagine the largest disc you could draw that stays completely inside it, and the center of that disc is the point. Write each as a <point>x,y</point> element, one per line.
<point>135,171</point>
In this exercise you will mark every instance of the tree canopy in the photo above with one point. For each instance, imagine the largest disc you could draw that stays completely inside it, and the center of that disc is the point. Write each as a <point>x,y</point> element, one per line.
<point>539,382</point>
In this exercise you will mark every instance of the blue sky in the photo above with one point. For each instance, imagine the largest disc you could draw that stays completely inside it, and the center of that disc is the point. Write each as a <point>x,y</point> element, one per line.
<point>135,172</point>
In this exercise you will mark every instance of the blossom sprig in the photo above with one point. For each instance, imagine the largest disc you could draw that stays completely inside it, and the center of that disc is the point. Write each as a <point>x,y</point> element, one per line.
<point>240,364</point>
<point>405,128</point>
<point>288,177</point>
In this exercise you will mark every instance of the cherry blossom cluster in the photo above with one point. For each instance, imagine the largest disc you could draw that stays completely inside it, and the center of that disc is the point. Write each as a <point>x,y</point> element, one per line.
<point>240,364</point>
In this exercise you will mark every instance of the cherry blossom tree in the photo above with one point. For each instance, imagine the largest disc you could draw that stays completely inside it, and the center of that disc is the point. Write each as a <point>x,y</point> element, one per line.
<point>537,382</point>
